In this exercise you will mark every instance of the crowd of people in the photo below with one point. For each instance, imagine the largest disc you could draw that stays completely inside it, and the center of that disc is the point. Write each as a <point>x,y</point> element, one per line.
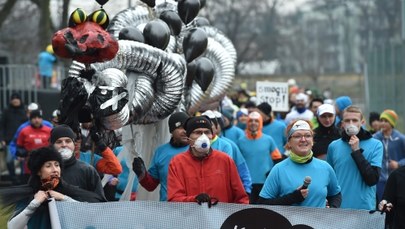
<point>321,153</point>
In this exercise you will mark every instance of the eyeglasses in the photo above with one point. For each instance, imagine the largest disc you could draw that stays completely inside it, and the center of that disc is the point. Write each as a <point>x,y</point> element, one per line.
<point>299,137</point>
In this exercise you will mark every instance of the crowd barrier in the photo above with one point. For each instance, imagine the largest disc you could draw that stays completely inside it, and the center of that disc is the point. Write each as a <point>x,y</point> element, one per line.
<point>155,214</point>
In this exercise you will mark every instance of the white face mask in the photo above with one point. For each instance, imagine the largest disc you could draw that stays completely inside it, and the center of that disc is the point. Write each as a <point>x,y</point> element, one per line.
<point>202,144</point>
<point>84,132</point>
<point>66,153</point>
<point>351,130</point>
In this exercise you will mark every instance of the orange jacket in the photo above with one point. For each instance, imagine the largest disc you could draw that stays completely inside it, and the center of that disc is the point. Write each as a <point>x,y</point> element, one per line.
<point>215,175</point>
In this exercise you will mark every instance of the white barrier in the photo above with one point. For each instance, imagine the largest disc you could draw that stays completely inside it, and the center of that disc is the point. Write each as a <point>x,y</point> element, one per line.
<point>153,214</point>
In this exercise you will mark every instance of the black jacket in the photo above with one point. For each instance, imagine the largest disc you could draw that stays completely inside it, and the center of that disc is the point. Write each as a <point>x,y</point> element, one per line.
<point>11,119</point>
<point>323,136</point>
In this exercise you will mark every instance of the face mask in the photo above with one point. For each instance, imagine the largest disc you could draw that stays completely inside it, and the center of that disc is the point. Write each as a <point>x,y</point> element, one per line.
<point>202,144</point>
<point>66,153</point>
<point>84,132</point>
<point>351,130</point>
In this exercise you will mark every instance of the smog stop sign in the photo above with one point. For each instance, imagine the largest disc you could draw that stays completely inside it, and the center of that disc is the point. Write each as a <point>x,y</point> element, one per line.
<point>274,93</point>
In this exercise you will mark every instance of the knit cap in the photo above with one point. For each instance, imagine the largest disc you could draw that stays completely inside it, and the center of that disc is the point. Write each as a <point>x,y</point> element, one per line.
<point>390,116</point>
<point>177,120</point>
<point>374,116</point>
<point>40,156</point>
<point>228,114</point>
<point>35,114</point>
<point>60,132</point>
<point>15,95</point>
<point>193,123</point>
<point>265,108</point>
<point>342,102</point>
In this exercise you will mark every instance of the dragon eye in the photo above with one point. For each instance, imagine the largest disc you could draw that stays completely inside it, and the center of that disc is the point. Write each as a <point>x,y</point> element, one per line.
<point>77,17</point>
<point>100,17</point>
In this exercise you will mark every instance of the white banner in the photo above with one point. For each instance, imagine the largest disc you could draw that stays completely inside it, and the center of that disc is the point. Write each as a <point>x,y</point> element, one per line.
<point>154,214</point>
<point>274,93</point>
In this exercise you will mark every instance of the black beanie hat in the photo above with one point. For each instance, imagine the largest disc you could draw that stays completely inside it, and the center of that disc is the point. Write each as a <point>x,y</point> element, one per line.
<point>193,123</point>
<point>177,120</point>
<point>39,156</point>
<point>60,132</point>
<point>15,95</point>
<point>373,117</point>
<point>265,108</point>
<point>35,114</point>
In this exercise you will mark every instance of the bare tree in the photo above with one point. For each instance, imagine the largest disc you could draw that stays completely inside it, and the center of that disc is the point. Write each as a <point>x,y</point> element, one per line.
<point>251,25</point>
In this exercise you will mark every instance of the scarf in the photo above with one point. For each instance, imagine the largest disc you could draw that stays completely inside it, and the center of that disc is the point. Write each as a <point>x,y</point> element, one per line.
<point>299,159</point>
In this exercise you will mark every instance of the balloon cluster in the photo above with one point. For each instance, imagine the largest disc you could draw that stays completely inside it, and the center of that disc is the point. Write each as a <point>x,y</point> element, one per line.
<point>168,59</point>
<point>210,56</point>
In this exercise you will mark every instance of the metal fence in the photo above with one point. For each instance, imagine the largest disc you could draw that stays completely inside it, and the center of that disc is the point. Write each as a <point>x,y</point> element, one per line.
<point>385,80</point>
<point>25,80</point>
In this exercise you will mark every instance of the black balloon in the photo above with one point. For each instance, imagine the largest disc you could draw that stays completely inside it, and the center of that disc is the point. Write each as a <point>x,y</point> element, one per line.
<point>201,21</point>
<point>102,2</point>
<point>157,34</point>
<point>191,69</point>
<point>173,20</point>
<point>188,10</point>
<point>150,3</point>
<point>131,33</point>
<point>194,44</point>
<point>204,72</point>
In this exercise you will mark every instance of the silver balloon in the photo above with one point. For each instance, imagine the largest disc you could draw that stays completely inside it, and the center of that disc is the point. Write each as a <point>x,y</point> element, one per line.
<point>111,77</point>
<point>165,71</point>
<point>133,16</point>
<point>224,74</point>
<point>169,88</point>
<point>225,42</point>
<point>141,92</point>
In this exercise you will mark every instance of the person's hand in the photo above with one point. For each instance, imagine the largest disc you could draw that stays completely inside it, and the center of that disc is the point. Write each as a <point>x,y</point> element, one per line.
<point>56,195</point>
<point>393,164</point>
<point>385,206</point>
<point>113,181</point>
<point>98,140</point>
<point>138,166</point>
<point>41,196</point>
<point>304,192</point>
<point>354,143</point>
<point>205,198</point>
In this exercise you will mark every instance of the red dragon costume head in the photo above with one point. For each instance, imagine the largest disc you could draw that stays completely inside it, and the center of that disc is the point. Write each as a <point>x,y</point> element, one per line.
<point>86,40</point>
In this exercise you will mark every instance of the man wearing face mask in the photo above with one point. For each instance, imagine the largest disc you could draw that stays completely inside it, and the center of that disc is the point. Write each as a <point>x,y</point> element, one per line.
<point>75,172</point>
<point>202,174</point>
<point>356,159</point>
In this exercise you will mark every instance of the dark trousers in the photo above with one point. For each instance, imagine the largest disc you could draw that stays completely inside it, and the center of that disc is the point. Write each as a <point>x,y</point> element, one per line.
<point>46,82</point>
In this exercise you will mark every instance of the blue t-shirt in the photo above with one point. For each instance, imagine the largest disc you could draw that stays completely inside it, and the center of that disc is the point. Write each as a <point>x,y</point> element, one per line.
<point>123,177</point>
<point>276,129</point>
<point>287,176</point>
<point>233,133</point>
<point>257,153</point>
<point>45,63</point>
<point>356,194</point>
<point>241,165</point>
<point>159,166</point>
